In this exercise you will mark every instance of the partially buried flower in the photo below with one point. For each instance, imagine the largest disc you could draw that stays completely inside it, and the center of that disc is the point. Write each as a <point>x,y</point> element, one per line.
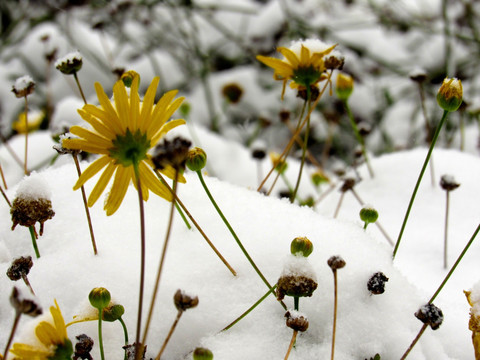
<point>123,133</point>
<point>297,279</point>
<point>304,63</point>
<point>53,338</point>
<point>23,86</point>
<point>70,63</point>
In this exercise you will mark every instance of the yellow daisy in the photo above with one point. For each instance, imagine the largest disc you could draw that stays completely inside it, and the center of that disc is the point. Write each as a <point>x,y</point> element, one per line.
<point>304,63</point>
<point>123,133</point>
<point>55,344</point>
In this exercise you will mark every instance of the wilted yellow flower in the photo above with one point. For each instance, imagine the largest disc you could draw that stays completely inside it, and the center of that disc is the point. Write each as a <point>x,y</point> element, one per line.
<point>474,323</point>
<point>55,344</point>
<point>304,63</point>
<point>123,135</point>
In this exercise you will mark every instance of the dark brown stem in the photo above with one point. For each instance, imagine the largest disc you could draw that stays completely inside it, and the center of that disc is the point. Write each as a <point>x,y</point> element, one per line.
<point>87,211</point>
<point>3,177</point>
<point>79,87</point>
<point>18,314</point>
<point>420,333</point>
<point>172,329</point>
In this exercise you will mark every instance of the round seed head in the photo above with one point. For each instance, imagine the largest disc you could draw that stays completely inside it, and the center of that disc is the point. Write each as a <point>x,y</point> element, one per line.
<point>27,211</point>
<point>301,246</point>
<point>20,267</point>
<point>348,184</point>
<point>24,306</point>
<point>448,183</point>
<point>376,284</point>
<point>23,86</point>
<point>202,354</point>
<point>196,159</point>
<point>296,321</point>
<point>184,301</point>
<point>431,315</point>
<point>172,153</point>
<point>232,92</point>
<point>295,285</point>
<point>70,63</point>
<point>336,262</point>
<point>99,298</point>
<point>368,214</point>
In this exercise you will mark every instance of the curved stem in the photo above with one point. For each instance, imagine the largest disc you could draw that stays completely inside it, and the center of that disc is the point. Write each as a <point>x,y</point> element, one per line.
<point>25,167</point>
<point>162,261</point>
<point>33,235</point>
<point>417,185</point>
<point>250,260</point>
<point>125,334</point>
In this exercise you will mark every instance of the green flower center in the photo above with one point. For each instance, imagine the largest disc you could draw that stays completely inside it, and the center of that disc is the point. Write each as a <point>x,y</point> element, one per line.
<point>306,76</point>
<point>63,351</point>
<point>130,149</point>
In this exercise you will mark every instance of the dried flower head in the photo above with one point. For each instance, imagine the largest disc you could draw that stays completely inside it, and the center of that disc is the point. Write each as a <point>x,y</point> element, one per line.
<point>232,92</point>
<point>23,86</point>
<point>448,183</point>
<point>24,306</point>
<point>336,262</point>
<point>431,315</point>
<point>348,184</point>
<point>171,154</point>
<point>184,301</point>
<point>297,279</point>
<point>450,94</point>
<point>83,347</point>
<point>296,320</point>
<point>474,322</point>
<point>334,61</point>
<point>20,267</point>
<point>376,284</point>
<point>70,63</point>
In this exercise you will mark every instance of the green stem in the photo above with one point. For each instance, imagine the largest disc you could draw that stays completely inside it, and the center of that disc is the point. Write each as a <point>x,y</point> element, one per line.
<point>296,303</point>
<point>100,338</point>
<point>417,185</point>
<point>365,226</point>
<point>250,308</point>
<point>460,257</point>
<point>199,173</point>
<point>182,215</point>
<point>34,240</point>
<point>79,87</point>
<point>359,137</point>
<point>335,306</point>
<point>125,333</point>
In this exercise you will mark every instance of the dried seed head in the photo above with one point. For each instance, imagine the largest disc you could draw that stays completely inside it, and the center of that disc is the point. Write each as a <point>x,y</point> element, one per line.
<point>348,184</point>
<point>314,93</point>
<point>24,306</point>
<point>418,76</point>
<point>334,61</point>
<point>202,354</point>
<point>20,267</point>
<point>284,116</point>
<point>364,128</point>
<point>296,321</point>
<point>23,86</point>
<point>70,63</point>
<point>232,92</point>
<point>196,159</point>
<point>171,153</point>
<point>368,214</point>
<point>295,285</point>
<point>431,315</point>
<point>336,262</point>
<point>28,211</point>
<point>376,284</point>
<point>301,246</point>
<point>99,298</point>
<point>448,183</point>
<point>83,347</point>
<point>450,94</point>
<point>113,312</point>
<point>184,301</point>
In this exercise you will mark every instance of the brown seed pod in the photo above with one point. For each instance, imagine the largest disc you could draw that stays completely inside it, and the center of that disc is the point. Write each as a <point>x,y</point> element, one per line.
<point>296,321</point>
<point>184,301</point>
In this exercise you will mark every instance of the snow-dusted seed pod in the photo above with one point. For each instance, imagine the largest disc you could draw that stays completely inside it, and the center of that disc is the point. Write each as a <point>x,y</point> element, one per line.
<point>431,315</point>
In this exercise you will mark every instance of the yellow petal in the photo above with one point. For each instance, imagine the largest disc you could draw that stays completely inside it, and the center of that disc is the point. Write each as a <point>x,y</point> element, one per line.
<point>118,190</point>
<point>29,352</point>
<point>159,120</point>
<point>96,124</point>
<point>84,145</point>
<point>58,321</point>
<point>165,129</point>
<point>111,119</point>
<point>101,183</point>
<point>91,137</point>
<point>121,104</point>
<point>279,66</point>
<point>47,334</point>
<point>161,107</point>
<point>134,103</point>
<point>304,56</point>
<point>147,104</point>
<point>153,183</point>
<point>91,170</point>
<point>290,56</point>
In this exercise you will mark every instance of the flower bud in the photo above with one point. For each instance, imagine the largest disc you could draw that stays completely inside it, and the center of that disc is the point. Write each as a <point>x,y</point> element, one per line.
<point>202,354</point>
<point>20,267</point>
<point>128,77</point>
<point>296,321</point>
<point>301,246</point>
<point>448,183</point>
<point>344,86</point>
<point>319,178</point>
<point>99,298</point>
<point>70,63</point>
<point>450,94</point>
<point>336,262</point>
<point>196,159</point>
<point>376,284</point>
<point>184,301</point>
<point>431,315</point>
<point>113,312</point>
<point>368,214</point>
<point>23,86</point>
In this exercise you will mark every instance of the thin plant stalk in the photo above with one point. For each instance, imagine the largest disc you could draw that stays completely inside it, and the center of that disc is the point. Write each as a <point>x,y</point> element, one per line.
<point>87,211</point>
<point>125,332</point>
<point>3,178</point>
<point>427,128</point>
<point>11,151</point>
<point>337,210</point>
<point>445,240</point>
<point>250,308</point>
<point>460,257</point>
<point>417,185</point>
<point>359,138</point>
<point>182,215</point>
<point>172,329</point>
<point>335,302</point>
<point>100,336</point>
<point>27,282</point>
<point>34,241</point>
<point>292,342</point>
<point>25,167</point>
<point>227,224</point>
<point>79,87</point>
<point>162,262</point>
<point>5,197</point>
<point>177,199</point>
<point>296,303</point>
<point>18,314</point>
<point>138,345</point>
<point>419,335</point>
<point>325,193</point>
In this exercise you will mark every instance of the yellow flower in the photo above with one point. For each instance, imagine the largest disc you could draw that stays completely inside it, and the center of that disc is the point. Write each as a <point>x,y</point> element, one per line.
<point>304,64</point>
<point>55,344</point>
<point>450,94</point>
<point>474,323</point>
<point>35,119</point>
<point>344,86</point>
<point>123,134</point>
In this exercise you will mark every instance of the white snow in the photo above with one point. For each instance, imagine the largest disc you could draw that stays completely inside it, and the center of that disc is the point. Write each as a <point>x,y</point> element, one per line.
<point>69,58</point>
<point>23,82</point>
<point>34,187</point>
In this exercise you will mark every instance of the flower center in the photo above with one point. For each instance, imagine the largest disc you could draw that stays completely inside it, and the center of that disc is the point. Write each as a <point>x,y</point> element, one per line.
<point>130,149</point>
<point>62,351</point>
<point>306,76</point>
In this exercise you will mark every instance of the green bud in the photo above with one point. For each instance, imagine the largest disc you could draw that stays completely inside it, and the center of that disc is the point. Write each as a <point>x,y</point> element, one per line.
<point>368,215</point>
<point>113,313</point>
<point>319,178</point>
<point>301,245</point>
<point>449,96</point>
<point>99,298</point>
<point>202,354</point>
<point>344,86</point>
<point>196,159</point>
<point>185,109</point>
<point>128,77</point>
